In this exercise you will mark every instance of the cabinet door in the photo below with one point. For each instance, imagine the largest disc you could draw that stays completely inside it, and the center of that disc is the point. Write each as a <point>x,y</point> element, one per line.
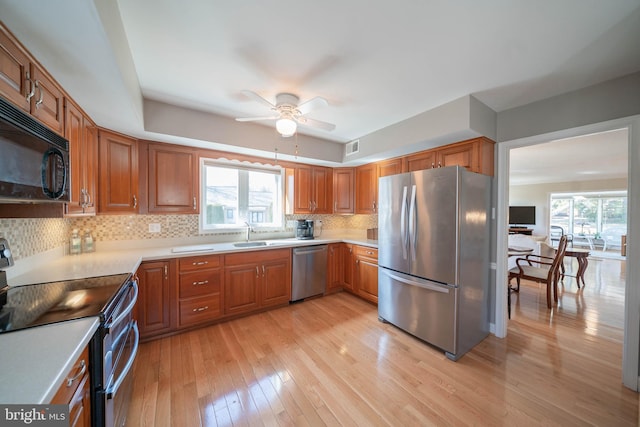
<point>349,265</point>
<point>83,161</point>
<point>367,189</point>
<point>335,267</point>
<point>118,173</point>
<point>343,188</point>
<point>14,66</point>
<point>302,194</point>
<point>420,161</point>
<point>154,298</point>
<point>74,124</point>
<point>47,101</point>
<point>465,155</point>
<point>276,282</point>
<point>322,190</point>
<point>241,288</point>
<point>366,280</point>
<point>390,167</point>
<point>173,179</point>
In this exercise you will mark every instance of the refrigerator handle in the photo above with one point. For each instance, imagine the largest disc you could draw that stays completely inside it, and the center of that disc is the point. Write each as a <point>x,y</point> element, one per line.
<point>403,223</point>
<point>412,222</point>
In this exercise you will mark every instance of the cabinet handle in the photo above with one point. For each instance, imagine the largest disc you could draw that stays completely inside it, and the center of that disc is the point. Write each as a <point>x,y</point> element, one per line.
<point>83,369</point>
<point>357,261</point>
<point>195,206</point>
<point>433,165</point>
<point>206,307</point>
<point>374,206</point>
<point>201,263</point>
<point>33,87</point>
<point>135,201</point>
<point>439,164</point>
<point>39,101</point>
<point>263,270</point>
<point>257,272</point>
<point>369,253</point>
<point>310,206</point>
<point>204,282</point>
<point>166,271</point>
<point>88,198</point>
<point>335,206</point>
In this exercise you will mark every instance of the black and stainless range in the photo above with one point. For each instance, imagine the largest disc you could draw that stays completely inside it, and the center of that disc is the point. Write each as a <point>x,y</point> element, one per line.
<point>113,348</point>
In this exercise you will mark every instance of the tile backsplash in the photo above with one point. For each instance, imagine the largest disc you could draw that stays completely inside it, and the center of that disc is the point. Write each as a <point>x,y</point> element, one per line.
<point>31,236</point>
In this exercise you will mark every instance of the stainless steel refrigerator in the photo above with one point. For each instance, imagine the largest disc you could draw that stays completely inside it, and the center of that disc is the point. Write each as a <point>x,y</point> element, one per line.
<point>433,256</point>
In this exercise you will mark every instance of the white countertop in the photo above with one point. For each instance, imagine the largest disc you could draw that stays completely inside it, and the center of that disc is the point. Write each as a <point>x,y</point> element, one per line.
<point>36,360</point>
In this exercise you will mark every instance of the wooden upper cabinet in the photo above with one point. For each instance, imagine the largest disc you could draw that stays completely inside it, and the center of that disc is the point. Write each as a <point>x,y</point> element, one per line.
<point>27,85</point>
<point>310,190</point>
<point>14,66</point>
<point>343,191</point>
<point>390,167</point>
<point>173,179</point>
<point>83,159</point>
<point>118,175</point>
<point>476,155</point>
<point>47,101</point>
<point>420,161</point>
<point>367,189</point>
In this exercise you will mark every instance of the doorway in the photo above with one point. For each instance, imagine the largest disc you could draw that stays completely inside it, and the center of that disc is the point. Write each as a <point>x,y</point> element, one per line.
<point>632,294</point>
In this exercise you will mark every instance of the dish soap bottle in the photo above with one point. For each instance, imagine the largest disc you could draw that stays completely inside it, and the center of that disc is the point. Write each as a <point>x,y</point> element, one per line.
<point>89,244</point>
<point>75,243</point>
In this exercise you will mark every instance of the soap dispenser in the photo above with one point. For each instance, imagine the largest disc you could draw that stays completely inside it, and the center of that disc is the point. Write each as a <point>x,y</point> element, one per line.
<point>88,243</point>
<point>75,245</point>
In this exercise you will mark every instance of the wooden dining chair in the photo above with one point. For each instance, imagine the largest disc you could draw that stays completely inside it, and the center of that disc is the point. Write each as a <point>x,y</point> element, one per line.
<point>541,269</point>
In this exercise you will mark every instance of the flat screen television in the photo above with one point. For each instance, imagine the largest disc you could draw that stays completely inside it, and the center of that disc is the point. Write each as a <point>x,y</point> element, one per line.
<point>522,215</point>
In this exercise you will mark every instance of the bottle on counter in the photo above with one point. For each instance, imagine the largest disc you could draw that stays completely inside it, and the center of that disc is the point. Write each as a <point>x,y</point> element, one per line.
<point>75,243</point>
<point>88,242</point>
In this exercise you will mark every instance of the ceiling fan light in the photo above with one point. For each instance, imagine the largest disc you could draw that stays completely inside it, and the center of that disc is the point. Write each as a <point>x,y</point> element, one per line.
<point>286,127</point>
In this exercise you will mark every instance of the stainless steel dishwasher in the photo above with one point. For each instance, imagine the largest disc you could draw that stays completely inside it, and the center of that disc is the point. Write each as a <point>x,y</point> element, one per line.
<point>309,275</point>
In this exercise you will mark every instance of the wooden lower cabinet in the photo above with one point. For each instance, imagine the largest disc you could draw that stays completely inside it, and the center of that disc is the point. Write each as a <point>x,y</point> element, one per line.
<point>256,280</point>
<point>348,257</point>
<point>335,267</point>
<point>154,298</point>
<point>75,391</point>
<point>199,290</point>
<point>366,273</point>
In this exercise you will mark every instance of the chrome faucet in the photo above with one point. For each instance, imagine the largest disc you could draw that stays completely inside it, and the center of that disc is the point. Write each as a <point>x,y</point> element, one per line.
<point>249,229</point>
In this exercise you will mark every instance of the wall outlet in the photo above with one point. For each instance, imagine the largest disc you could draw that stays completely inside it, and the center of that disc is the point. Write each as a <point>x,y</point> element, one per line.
<point>155,228</point>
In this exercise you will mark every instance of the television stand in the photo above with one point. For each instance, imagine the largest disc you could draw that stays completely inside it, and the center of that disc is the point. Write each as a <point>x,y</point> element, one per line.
<point>521,230</point>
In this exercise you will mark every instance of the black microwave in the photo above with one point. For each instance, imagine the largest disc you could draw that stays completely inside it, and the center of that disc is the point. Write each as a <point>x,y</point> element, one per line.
<point>34,160</point>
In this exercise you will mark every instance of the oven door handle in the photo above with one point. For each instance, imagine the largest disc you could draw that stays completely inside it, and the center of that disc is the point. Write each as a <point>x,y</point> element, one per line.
<point>113,388</point>
<point>127,310</point>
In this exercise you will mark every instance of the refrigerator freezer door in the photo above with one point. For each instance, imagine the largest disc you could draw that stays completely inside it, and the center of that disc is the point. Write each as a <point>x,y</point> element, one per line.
<point>393,222</point>
<point>423,308</point>
<point>435,214</point>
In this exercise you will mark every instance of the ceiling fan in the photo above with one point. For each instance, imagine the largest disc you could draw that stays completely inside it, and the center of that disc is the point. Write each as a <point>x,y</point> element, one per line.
<point>288,114</point>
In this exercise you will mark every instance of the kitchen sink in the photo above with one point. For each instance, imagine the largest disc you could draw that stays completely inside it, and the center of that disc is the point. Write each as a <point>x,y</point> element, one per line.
<point>249,244</point>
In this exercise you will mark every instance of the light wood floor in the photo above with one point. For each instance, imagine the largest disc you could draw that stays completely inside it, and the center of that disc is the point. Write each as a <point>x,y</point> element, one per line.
<point>328,361</point>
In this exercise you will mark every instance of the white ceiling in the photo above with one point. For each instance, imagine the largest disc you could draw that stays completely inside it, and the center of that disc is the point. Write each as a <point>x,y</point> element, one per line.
<point>597,156</point>
<point>377,63</point>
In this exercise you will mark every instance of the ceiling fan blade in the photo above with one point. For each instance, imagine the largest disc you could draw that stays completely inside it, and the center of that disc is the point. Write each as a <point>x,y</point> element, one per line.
<point>253,119</point>
<point>312,104</point>
<point>257,98</point>
<point>316,123</point>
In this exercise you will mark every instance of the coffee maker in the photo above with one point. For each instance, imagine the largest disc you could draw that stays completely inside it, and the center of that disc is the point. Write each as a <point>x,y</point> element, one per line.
<point>304,229</point>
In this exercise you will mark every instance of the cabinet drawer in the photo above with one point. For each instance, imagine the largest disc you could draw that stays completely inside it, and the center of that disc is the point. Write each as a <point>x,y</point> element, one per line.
<point>199,310</point>
<point>366,252</point>
<point>199,262</point>
<point>73,379</point>
<point>199,283</point>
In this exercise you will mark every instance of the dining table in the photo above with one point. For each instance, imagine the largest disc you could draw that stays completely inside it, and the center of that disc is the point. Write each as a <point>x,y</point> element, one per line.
<point>581,255</point>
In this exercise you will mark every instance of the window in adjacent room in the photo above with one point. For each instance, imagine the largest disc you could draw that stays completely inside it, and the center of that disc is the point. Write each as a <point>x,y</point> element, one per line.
<point>234,193</point>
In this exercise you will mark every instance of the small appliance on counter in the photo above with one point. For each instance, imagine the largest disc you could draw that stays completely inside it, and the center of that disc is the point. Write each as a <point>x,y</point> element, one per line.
<point>6,260</point>
<point>304,229</point>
